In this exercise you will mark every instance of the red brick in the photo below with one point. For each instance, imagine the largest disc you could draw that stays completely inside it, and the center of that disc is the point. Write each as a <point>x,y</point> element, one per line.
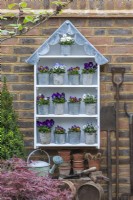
<point>100,40</point>
<point>101,49</point>
<point>119,5</point>
<point>110,5</point>
<point>6,50</point>
<point>116,50</point>
<point>86,31</point>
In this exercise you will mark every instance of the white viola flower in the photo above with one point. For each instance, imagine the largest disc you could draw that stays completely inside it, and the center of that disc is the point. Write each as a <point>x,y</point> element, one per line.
<point>84,96</point>
<point>45,98</point>
<point>63,40</point>
<point>84,126</point>
<point>39,94</point>
<point>62,67</point>
<point>56,67</point>
<point>69,38</point>
<point>64,35</point>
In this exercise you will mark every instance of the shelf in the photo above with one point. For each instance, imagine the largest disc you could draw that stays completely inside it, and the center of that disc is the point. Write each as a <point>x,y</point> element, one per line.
<point>67,115</point>
<point>62,56</point>
<point>66,86</point>
<point>67,145</point>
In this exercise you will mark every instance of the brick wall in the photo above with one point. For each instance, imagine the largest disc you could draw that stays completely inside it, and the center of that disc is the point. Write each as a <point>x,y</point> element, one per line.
<point>78,4</point>
<point>113,37</point>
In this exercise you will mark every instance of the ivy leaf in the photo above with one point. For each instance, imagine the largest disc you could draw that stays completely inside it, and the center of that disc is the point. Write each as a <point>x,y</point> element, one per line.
<point>11,32</point>
<point>28,19</point>
<point>2,17</point>
<point>13,25</point>
<point>12,5</point>
<point>58,3</point>
<point>23,4</point>
<point>20,27</point>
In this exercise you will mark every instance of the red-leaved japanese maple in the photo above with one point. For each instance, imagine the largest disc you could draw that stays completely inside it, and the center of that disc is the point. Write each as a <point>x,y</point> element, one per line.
<point>19,183</point>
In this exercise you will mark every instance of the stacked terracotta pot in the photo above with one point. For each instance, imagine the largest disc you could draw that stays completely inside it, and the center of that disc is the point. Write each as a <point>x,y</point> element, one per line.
<point>78,162</point>
<point>65,167</point>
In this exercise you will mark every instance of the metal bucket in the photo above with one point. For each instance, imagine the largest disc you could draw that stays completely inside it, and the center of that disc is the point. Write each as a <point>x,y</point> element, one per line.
<point>40,167</point>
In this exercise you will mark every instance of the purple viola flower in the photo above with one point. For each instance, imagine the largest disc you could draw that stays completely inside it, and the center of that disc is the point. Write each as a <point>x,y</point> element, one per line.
<point>86,65</point>
<point>90,64</point>
<point>39,123</point>
<point>62,94</point>
<point>53,96</point>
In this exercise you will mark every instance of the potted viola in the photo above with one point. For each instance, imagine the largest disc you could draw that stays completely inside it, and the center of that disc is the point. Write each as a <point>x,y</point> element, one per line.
<point>74,105</point>
<point>90,104</point>
<point>44,130</point>
<point>66,41</point>
<point>43,75</point>
<point>60,135</point>
<point>58,101</point>
<point>74,134</point>
<point>74,75</point>
<point>43,104</point>
<point>90,133</point>
<point>88,72</point>
<point>58,72</point>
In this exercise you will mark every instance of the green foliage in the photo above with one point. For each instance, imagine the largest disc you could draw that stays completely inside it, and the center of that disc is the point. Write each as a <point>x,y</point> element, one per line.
<point>11,140</point>
<point>23,27</point>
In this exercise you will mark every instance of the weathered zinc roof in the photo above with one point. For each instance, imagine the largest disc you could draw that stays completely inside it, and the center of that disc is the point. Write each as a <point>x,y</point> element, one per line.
<point>67,28</point>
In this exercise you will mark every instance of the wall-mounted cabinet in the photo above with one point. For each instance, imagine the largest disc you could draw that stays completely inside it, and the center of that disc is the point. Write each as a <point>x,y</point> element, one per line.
<point>65,108</point>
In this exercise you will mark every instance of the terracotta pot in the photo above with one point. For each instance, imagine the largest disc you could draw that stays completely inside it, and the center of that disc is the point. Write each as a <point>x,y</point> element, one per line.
<point>64,152</point>
<point>78,165</point>
<point>66,164</point>
<point>66,158</point>
<point>64,171</point>
<point>78,156</point>
<point>94,163</point>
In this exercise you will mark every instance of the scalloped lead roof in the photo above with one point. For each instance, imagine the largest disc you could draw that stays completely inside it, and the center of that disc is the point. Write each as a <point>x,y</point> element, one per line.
<point>81,47</point>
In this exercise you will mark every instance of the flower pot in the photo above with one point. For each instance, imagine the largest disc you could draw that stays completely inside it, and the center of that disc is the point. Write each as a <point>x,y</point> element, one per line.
<point>90,138</point>
<point>94,163</point>
<point>58,79</point>
<point>78,156</point>
<point>43,109</point>
<point>65,49</point>
<point>60,138</point>
<point>66,158</point>
<point>64,171</point>
<point>43,78</point>
<point>66,164</point>
<point>90,108</point>
<point>59,108</point>
<point>74,79</point>
<point>64,153</point>
<point>78,164</point>
<point>74,137</point>
<point>74,108</point>
<point>45,138</point>
<point>87,79</point>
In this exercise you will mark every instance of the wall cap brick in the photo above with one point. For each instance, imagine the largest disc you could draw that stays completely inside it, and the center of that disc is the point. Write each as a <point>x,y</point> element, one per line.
<point>84,13</point>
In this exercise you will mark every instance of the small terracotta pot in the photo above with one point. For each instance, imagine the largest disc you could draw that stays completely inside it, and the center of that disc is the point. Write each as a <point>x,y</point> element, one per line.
<point>64,153</point>
<point>94,163</point>
<point>78,165</point>
<point>78,156</point>
<point>66,158</point>
<point>66,164</point>
<point>64,170</point>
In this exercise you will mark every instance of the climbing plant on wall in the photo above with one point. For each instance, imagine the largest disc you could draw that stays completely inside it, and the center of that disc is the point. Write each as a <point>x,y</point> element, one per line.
<point>26,19</point>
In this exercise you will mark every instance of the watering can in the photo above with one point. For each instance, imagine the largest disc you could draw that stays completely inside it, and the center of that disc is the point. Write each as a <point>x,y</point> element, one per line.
<point>41,167</point>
